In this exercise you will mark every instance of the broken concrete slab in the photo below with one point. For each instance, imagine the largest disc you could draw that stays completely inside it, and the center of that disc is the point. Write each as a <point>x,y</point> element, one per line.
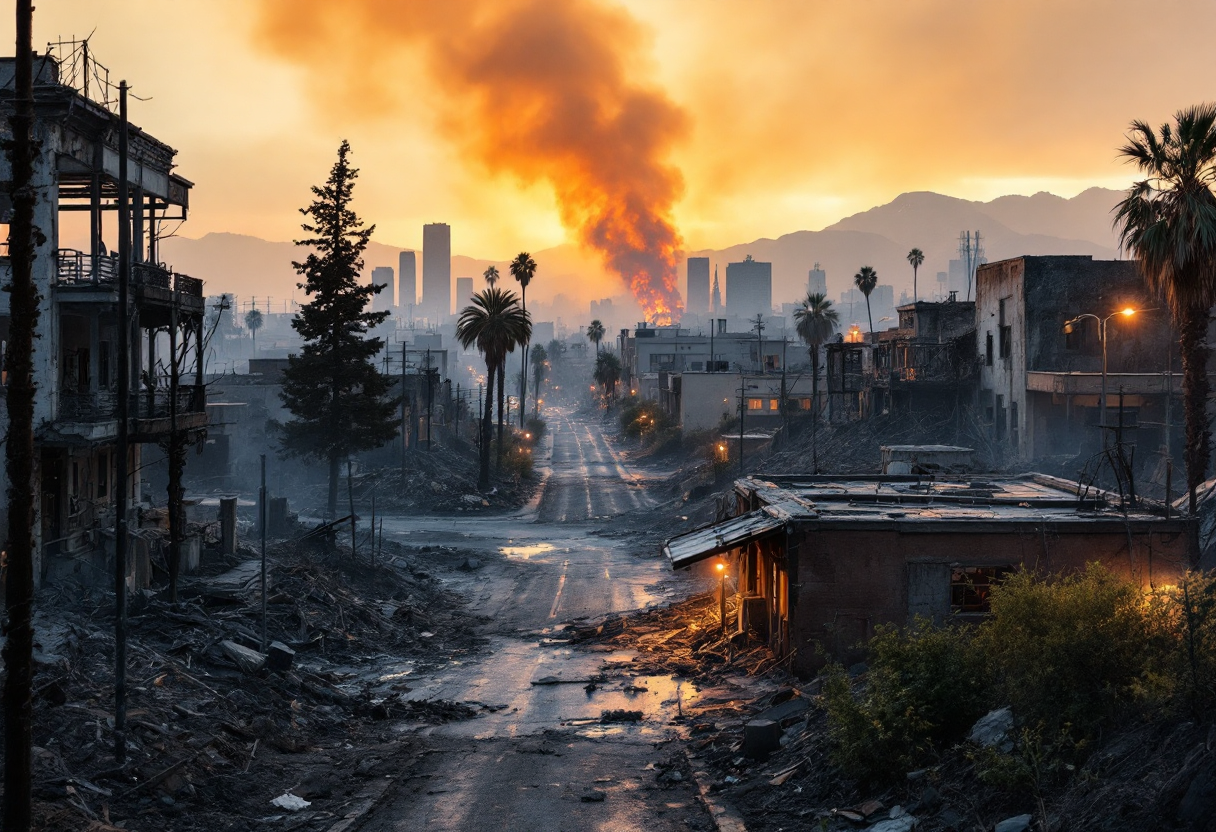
<point>786,710</point>
<point>761,737</point>
<point>279,657</point>
<point>249,661</point>
<point>992,730</point>
<point>1018,823</point>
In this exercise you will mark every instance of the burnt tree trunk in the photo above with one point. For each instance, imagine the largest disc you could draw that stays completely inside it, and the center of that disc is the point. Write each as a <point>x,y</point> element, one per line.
<point>502,375</point>
<point>19,447</point>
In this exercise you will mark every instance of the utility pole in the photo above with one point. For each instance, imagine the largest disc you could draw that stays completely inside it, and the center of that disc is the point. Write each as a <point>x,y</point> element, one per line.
<point>124,384</point>
<point>19,447</point>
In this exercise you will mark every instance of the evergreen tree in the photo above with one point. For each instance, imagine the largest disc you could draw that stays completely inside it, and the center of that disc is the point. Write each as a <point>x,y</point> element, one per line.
<point>339,399</point>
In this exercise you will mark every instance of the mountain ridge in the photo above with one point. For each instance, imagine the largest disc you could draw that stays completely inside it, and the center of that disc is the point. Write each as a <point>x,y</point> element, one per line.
<point>881,236</point>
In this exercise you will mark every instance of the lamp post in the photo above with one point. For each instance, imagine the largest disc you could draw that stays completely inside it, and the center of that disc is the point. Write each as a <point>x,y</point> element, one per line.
<point>722,595</point>
<point>1069,325</point>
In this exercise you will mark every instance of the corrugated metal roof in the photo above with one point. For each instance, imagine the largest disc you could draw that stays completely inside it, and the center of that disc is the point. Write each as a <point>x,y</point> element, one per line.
<point>707,541</point>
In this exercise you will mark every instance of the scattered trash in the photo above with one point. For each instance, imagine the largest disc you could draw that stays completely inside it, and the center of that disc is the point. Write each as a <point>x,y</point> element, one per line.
<point>619,715</point>
<point>290,802</point>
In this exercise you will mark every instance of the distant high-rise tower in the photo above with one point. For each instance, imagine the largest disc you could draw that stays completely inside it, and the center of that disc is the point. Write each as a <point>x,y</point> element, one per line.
<point>698,286</point>
<point>749,288</point>
<point>464,292</point>
<point>383,276</point>
<point>817,281</point>
<point>407,281</point>
<point>437,271</point>
<point>716,302</point>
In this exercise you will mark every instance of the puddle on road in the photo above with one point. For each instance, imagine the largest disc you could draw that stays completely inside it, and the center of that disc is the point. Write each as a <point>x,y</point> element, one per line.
<point>526,552</point>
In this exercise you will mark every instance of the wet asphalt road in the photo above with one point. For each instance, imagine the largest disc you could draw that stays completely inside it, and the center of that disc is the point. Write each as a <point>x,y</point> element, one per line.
<point>530,764</point>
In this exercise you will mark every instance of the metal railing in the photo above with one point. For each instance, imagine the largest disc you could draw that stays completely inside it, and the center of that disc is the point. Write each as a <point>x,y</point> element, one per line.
<point>102,406</point>
<point>76,268</point>
<point>156,403</point>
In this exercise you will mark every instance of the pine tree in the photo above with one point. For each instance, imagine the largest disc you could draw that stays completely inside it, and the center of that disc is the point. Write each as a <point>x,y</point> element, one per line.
<point>339,399</point>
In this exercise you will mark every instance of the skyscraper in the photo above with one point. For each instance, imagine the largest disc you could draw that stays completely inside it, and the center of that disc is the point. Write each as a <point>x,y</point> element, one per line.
<point>749,288</point>
<point>437,271</point>
<point>817,281</point>
<point>464,292</point>
<point>715,304</point>
<point>383,276</point>
<point>407,281</point>
<point>698,286</point>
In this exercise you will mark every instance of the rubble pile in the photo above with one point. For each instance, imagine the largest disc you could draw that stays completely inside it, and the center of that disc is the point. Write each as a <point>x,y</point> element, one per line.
<point>683,640</point>
<point>217,727</point>
<point>440,481</point>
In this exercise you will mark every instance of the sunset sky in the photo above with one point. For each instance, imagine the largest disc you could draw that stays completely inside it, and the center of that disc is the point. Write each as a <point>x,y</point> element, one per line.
<point>776,115</point>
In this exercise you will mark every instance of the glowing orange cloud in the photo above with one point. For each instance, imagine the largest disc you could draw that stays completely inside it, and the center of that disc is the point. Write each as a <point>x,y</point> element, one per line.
<point>544,90</point>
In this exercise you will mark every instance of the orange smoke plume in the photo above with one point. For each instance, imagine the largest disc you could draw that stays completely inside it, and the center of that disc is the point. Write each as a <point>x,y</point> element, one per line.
<point>540,89</point>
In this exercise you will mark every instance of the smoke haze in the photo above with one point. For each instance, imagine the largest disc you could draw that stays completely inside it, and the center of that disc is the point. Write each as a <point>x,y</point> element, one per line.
<point>544,90</point>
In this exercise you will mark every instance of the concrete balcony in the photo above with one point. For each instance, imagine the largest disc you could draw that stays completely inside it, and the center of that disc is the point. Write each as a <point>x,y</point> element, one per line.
<point>1090,384</point>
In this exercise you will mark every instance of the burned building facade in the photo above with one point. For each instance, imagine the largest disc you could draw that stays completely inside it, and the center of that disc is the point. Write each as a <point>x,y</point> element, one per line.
<point>818,562</point>
<point>76,172</point>
<point>1040,385</point>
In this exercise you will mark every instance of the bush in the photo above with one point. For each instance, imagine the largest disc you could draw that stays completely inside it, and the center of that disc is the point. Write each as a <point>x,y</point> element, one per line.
<point>1076,649</point>
<point>516,460</point>
<point>1192,612</point>
<point>535,431</point>
<point>642,418</point>
<point>925,687</point>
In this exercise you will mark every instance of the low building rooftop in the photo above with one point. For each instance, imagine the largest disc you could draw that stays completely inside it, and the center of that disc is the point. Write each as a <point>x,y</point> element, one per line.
<point>913,498</point>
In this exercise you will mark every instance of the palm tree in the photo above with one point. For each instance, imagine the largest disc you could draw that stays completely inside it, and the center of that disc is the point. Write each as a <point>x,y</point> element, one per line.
<point>1168,222</point>
<point>815,322</point>
<point>495,323</point>
<point>538,356</point>
<point>866,280</point>
<point>523,269</point>
<point>607,373</point>
<point>595,334</point>
<point>491,275</point>
<point>253,321</point>
<point>916,257</point>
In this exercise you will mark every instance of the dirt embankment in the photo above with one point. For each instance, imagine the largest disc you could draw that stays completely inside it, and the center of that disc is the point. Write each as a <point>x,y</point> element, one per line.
<point>762,736</point>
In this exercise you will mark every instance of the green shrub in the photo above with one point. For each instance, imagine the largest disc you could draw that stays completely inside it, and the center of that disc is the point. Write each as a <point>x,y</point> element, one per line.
<point>925,687</point>
<point>516,460</point>
<point>1075,649</point>
<point>642,418</point>
<point>1191,609</point>
<point>535,431</point>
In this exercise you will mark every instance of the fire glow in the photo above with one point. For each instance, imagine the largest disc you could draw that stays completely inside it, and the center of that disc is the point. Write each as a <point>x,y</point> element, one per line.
<point>541,90</point>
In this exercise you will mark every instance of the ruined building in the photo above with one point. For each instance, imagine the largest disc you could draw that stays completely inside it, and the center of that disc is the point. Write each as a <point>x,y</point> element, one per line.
<point>77,129</point>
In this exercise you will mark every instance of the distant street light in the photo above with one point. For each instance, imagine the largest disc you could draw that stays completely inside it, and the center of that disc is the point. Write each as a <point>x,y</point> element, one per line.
<point>1070,325</point>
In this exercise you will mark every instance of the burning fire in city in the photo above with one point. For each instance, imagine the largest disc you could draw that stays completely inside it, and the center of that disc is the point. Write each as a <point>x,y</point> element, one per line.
<point>542,90</point>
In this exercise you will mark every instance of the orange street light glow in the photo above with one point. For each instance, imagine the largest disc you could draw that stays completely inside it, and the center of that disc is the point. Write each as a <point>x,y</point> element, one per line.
<point>721,567</point>
<point>1128,312</point>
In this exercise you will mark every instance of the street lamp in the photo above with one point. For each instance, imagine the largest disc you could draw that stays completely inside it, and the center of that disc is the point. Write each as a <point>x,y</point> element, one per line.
<point>722,595</point>
<point>1070,325</point>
